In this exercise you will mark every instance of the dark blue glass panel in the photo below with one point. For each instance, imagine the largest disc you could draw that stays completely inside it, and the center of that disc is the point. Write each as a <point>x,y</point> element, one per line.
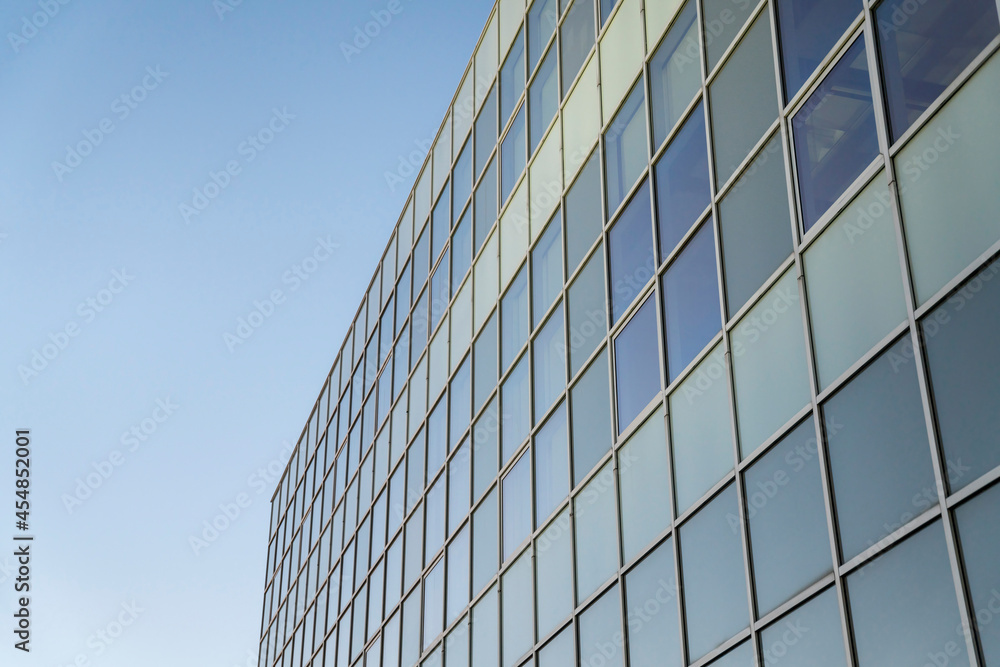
<point>543,99</point>
<point>631,252</point>
<point>923,46</point>
<point>637,367</point>
<point>542,19</point>
<point>682,183</point>
<point>691,301</point>
<point>835,134</point>
<point>512,78</point>
<point>807,30</point>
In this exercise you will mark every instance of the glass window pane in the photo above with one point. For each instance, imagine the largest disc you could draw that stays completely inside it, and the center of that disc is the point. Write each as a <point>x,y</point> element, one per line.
<point>576,39</point>
<point>485,449</point>
<point>835,134</point>
<point>601,638</point>
<point>485,360</point>
<point>654,633</point>
<point>637,364</point>
<point>596,533</point>
<point>435,521</point>
<point>420,260</point>
<point>755,224</point>
<point>512,156</point>
<point>516,505</point>
<point>551,464</point>
<point>691,310</point>
<point>484,542</point>
<point>461,249</point>
<point>701,430</point>
<point>769,351</point>
<point>675,73</point>
<point>516,407</point>
<point>807,30</point>
<point>591,433</point>
<point>815,639</point>
<point>542,19</point>
<point>410,640</point>
<point>560,652</point>
<point>549,349</point>
<point>554,560</point>
<point>625,148</point>
<point>853,310</point>
<point>543,99</point>
<point>461,386</point>
<point>588,321</point>
<point>461,180</point>
<point>879,456</point>
<point>518,619</point>
<point>512,78</point>
<point>903,605</point>
<point>546,270</point>
<point>632,259</point>
<point>433,603</point>
<point>948,173</point>
<point>485,205</point>
<point>964,363</point>
<point>459,486</point>
<point>644,476</point>
<point>485,620</point>
<point>515,322</point>
<point>622,49</point>
<point>723,19</point>
<point>924,46</point>
<point>486,131</point>
<point>584,220</point>
<point>458,573</point>
<point>787,516</point>
<point>682,184</point>
<point>715,599</point>
<point>456,646</point>
<point>440,224</point>
<point>741,656</point>
<point>744,95</point>
<point>977,525</point>
<point>437,437</point>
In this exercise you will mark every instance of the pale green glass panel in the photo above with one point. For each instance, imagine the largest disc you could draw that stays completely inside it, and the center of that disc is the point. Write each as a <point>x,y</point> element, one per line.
<point>644,474</point>
<point>621,55</point>
<point>514,234</point>
<point>438,362</point>
<point>596,533</point>
<point>948,184</point>
<point>854,282</point>
<point>485,288</point>
<point>658,15</point>
<point>545,175</point>
<point>461,323</point>
<point>581,119</point>
<point>486,59</point>
<point>701,435</point>
<point>769,364</point>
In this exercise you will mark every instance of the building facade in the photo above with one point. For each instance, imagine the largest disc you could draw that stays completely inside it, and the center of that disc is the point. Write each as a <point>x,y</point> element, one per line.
<point>682,352</point>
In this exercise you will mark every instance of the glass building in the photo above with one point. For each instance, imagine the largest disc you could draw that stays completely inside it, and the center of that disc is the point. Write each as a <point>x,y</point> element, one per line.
<point>684,351</point>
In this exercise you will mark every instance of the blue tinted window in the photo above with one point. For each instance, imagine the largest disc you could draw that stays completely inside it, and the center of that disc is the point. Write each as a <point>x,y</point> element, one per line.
<point>516,511</point>
<point>461,249</point>
<point>542,19</point>
<point>923,46</point>
<point>879,455</point>
<point>461,402</point>
<point>486,130</point>
<point>441,225</point>
<point>682,184</point>
<point>606,7</point>
<point>486,205</point>
<point>516,407</point>
<point>543,99</point>
<point>807,30</point>
<point>631,250</point>
<point>514,321</point>
<point>835,134</point>
<point>964,363</point>
<point>591,418</point>
<point>637,367</point>
<point>549,349</point>
<point>546,270</point>
<point>551,465</point>
<point>714,583</point>
<point>625,153</point>
<point>977,525</point>
<point>461,180</point>
<point>420,261</point>
<point>440,290</point>
<point>512,156</point>
<point>675,76</point>
<point>512,78</point>
<point>691,301</point>
<point>577,37</point>
<point>485,360</point>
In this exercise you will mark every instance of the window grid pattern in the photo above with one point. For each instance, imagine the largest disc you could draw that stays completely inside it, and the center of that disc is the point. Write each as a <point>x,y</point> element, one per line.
<point>349,570</point>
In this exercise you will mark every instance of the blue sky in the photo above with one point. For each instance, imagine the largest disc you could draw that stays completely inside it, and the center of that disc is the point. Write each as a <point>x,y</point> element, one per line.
<point>116,300</point>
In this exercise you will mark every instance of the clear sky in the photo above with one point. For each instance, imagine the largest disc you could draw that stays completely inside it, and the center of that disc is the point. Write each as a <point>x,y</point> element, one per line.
<point>115,301</point>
